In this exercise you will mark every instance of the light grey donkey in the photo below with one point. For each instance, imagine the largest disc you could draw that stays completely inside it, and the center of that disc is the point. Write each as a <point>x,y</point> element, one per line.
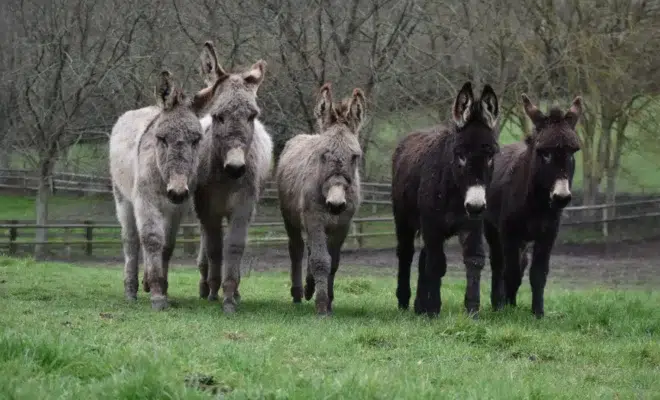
<point>319,191</point>
<point>234,166</point>
<point>154,155</point>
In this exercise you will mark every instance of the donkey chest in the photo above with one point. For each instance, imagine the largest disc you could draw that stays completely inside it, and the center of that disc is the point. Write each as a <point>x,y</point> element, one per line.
<point>534,228</point>
<point>219,199</point>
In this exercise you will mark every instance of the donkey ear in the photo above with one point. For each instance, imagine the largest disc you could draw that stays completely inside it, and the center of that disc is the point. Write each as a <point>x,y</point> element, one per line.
<point>201,100</point>
<point>209,68</point>
<point>462,104</point>
<point>574,112</point>
<point>531,110</point>
<point>168,95</point>
<point>256,74</point>
<point>356,109</point>
<point>489,106</point>
<point>324,110</point>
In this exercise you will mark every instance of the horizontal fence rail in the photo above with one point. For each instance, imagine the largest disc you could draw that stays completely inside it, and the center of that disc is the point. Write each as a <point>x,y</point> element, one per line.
<point>84,236</point>
<point>372,192</point>
<point>602,220</point>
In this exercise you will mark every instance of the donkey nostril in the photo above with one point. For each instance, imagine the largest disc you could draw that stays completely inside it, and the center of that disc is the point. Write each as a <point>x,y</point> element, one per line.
<point>336,208</point>
<point>235,171</point>
<point>176,196</point>
<point>474,209</point>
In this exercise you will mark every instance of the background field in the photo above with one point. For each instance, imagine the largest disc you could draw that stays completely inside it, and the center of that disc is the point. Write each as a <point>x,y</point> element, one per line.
<point>70,334</point>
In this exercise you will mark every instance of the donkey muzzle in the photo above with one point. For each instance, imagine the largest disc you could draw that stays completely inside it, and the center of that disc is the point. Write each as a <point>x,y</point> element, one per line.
<point>235,163</point>
<point>561,194</point>
<point>475,200</point>
<point>336,200</point>
<point>177,190</point>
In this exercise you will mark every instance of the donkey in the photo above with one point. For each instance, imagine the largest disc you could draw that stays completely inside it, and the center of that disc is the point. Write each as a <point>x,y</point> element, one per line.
<point>439,181</point>
<point>154,155</point>
<point>318,183</point>
<point>234,165</point>
<point>530,188</point>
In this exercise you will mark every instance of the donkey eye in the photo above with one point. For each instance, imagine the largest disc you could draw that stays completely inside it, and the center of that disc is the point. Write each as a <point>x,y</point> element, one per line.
<point>219,118</point>
<point>252,116</point>
<point>161,140</point>
<point>546,157</point>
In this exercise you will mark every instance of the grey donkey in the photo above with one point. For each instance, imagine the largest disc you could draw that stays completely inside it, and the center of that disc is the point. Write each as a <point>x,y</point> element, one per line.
<point>235,164</point>
<point>318,183</point>
<point>154,155</point>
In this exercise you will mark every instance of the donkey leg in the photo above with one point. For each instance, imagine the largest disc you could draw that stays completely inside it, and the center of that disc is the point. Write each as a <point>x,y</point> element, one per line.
<point>203,267</point>
<point>435,265</point>
<point>171,230</point>
<point>296,250</point>
<point>496,265</point>
<point>538,273</point>
<point>237,237</point>
<point>512,273</point>
<point>150,223</point>
<point>310,285</point>
<point>405,250</point>
<point>319,264</point>
<point>334,248</point>
<point>130,244</point>
<point>422,293</point>
<point>474,259</point>
<point>213,254</point>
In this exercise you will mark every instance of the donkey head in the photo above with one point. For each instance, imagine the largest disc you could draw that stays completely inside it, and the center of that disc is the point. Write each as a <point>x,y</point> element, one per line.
<point>177,131</point>
<point>340,161</point>
<point>475,144</point>
<point>554,143</point>
<point>231,110</point>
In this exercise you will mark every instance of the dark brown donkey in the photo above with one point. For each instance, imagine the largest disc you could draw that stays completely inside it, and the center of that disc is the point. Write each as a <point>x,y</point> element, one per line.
<point>439,181</point>
<point>531,186</point>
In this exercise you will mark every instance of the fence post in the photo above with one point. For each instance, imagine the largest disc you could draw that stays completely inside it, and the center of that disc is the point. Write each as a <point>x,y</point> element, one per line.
<point>604,227</point>
<point>356,228</point>
<point>374,206</point>
<point>13,235</point>
<point>89,236</point>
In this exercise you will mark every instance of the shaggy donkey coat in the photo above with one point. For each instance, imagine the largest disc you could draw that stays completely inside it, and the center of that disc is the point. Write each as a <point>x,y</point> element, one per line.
<point>530,188</point>
<point>154,153</point>
<point>439,182</point>
<point>234,165</point>
<point>319,191</point>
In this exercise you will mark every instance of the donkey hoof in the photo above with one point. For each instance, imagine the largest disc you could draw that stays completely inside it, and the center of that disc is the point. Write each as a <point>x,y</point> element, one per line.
<point>146,287</point>
<point>159,303</point>
<point>203,290</point>
<point>473,314</point>
<point>309,292</point>
<point>539,314</point>
<point>131,297</point>
<point>297,294</point>
<point>229,305</point>
<point>212,297</point>
<point>237,298</point>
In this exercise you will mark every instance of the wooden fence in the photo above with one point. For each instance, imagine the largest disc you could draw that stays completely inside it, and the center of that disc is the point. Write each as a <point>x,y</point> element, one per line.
<point>373,193</point>
<point>87,237</point>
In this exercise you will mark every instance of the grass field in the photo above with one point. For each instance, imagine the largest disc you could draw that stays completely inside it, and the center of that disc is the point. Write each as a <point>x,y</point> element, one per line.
<point>67,333</point>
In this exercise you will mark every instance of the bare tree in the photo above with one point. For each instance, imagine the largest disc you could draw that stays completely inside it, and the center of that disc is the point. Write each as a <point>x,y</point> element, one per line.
<point>70,53</point>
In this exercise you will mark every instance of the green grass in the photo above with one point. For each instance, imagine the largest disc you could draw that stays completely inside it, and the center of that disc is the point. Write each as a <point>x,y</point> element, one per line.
<point>67,333</point>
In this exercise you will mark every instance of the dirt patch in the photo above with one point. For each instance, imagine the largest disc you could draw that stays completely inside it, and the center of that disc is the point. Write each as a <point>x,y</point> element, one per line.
<point>615,264</point>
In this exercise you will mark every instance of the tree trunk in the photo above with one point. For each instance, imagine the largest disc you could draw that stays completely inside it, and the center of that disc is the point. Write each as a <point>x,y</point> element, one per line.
<point>41,208</point>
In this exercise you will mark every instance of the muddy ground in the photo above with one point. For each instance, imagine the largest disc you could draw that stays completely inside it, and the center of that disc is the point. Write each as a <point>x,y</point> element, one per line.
<point>615,265</point>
